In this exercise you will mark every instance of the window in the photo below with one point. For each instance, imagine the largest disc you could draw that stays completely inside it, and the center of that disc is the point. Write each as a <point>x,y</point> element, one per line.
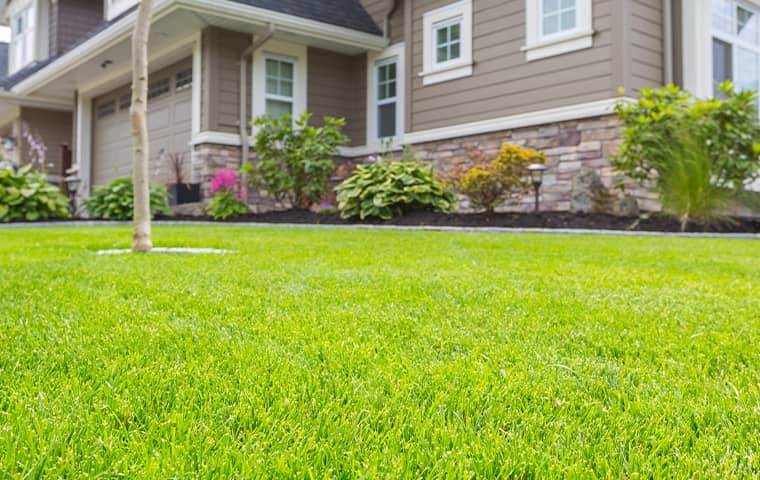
<point>447,38</point>
<point>385,95</point>
<point>387,98</point>
<point>106,109</point>
<point>158,88</point>
<point>279,87</point>
<point>735,44</point>
<point>184,80</point>
<point>22,38</point>
<point>555,27</point>
<point>558,16</point>
<point>125,101</point>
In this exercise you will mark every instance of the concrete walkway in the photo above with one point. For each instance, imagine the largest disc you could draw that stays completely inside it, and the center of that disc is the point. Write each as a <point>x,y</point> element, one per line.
<point>543,231</point>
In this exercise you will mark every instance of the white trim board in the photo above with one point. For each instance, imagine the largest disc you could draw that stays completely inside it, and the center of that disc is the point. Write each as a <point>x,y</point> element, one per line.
<point>523,120</point>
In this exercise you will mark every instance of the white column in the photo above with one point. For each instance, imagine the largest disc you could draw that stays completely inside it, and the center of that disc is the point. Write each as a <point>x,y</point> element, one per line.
<point>697,47</point>
<point>83,154</point>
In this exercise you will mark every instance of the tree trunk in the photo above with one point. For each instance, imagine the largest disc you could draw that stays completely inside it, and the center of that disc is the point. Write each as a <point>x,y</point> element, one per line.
<point>141,241</point>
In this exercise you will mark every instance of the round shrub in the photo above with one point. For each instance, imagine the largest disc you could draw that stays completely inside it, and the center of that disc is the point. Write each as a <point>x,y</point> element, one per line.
<point>388,189</point>
<point>115,201</point>
<point>25,195</point>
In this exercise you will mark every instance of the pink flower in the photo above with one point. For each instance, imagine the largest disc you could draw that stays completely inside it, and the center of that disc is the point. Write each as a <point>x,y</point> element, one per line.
<point>225,180</point>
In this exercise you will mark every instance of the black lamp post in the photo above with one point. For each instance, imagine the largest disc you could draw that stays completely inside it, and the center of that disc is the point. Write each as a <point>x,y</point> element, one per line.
<point>72,183</point>
<point>537,178</point>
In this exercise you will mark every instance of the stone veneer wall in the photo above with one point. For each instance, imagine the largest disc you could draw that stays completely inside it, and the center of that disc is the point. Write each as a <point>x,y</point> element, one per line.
<point>570,147</point>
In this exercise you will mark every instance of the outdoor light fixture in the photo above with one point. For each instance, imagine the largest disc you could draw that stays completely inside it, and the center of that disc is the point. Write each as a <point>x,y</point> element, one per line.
<point>537,178</point>
<point>9,143</point>
<point>72,183</point>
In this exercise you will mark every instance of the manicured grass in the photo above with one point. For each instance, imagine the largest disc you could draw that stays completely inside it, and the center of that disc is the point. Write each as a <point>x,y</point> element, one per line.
<point>343,354</point>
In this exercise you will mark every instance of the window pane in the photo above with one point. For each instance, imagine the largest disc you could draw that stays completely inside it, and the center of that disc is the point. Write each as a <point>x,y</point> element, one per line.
<point>454,51</point>
<point>551,24</point>
<point>723,15</point>
<point>386,121</point>
<point>746,25</point>
<point>278,108</point>
<point>551,6</point>
<point>442,35</point>
<point>566,4</point>
<point>456,33</point>
<point>286,70</point>
<point>286,88</point>
<point>392,71</point>
<point>442,55</point>
<point>747,69</point>
<point>273,68</point>
<point>391,89</point>
<point>568,20</point>
<point>722,65</point>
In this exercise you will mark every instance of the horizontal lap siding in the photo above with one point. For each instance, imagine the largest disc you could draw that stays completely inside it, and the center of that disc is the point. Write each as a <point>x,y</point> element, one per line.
<point>221,79</point>
<point>647,44</point>
<point>503,82</point>
<point>54,129</point>
<point>336,88</point>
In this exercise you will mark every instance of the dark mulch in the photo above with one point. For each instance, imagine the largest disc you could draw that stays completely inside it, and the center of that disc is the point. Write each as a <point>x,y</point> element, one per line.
<point>548,220</point>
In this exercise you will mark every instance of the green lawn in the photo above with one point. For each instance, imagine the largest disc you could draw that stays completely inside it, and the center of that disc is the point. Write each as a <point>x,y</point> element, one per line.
<point>343,354</point>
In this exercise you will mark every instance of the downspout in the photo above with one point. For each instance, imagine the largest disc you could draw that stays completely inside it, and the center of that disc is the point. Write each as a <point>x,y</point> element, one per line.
<point>244,140</point>
<point>668,44</point>
<point>392,4</point>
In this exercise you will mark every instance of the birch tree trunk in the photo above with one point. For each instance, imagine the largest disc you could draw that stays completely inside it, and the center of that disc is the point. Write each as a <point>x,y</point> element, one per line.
<point>141,241</point>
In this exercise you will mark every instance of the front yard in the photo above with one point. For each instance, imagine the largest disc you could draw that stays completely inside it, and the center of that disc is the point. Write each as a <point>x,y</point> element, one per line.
<point>340,354</point>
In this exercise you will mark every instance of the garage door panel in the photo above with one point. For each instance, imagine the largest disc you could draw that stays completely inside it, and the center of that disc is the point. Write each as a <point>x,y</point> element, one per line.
<point>169,122</point>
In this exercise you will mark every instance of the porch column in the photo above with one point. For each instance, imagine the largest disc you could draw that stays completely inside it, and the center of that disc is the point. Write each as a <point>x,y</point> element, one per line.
<point>83,154</point>
<point>697,47</point>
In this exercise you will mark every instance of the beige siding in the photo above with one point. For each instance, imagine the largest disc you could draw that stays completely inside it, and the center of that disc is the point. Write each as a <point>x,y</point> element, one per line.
<point>221,79</point>
<point>646,24</point>
<point>336,88</point>
<point>503,83</point>
<point>54,129</point>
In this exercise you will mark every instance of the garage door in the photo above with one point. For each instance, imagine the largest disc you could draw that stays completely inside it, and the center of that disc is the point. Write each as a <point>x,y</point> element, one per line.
<point>169,127</point>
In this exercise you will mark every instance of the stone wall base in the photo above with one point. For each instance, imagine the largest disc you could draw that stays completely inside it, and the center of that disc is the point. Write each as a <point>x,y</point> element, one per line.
<point>571,148</point>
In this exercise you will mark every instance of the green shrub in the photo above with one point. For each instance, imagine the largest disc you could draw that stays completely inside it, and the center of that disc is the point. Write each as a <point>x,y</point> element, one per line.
<point>488,185</point>
<point>116,200</point>
<point>388,189</point>
<point>24,194</point>
<point>654,124</point>
<point>295,158</point>
<point>225,205</point>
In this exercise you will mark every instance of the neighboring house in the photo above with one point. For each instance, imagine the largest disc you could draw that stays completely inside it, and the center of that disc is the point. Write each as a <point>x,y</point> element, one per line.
<point>451,78</point>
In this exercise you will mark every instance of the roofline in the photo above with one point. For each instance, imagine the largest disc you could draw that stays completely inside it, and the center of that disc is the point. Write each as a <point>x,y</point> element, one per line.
<point>256,15</point>
<point>34,102</point>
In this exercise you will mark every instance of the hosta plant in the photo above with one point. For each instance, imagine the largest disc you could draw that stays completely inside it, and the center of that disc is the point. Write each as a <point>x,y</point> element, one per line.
<point>115,201</point>
<point>25,195</point>
<point>388,189</point>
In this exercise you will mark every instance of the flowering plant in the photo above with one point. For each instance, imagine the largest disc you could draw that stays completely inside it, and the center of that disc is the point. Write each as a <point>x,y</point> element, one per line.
<point>226,203</point>
<point>37,149</point>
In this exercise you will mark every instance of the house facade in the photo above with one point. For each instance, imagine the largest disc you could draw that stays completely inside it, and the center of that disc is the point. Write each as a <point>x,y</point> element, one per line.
<point>454,79</point>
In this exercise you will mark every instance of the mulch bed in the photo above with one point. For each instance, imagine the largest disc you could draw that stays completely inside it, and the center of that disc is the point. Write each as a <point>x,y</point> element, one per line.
<point>547,220</point>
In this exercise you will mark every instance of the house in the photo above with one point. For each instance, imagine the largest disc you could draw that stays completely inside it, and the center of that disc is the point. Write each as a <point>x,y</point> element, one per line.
<point>452,78</point>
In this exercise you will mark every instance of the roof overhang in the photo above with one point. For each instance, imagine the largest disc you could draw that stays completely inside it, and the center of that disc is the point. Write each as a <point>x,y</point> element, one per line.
<point>245,16</point>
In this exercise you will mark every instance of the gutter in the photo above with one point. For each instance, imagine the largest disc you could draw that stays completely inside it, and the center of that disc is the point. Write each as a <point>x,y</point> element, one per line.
<point>392,4</point>
<point>244,140</point>
<point>122,29</point>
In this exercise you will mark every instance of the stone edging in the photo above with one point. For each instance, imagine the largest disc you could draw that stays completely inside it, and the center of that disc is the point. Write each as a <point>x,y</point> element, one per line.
<point>423,228</point>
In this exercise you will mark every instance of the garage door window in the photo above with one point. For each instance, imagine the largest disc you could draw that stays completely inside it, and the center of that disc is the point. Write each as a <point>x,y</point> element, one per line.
<point>106,109</point>
<point>279,88</point>
<point>184,80</point>
<point>125,101</point>
<point>158,88</point>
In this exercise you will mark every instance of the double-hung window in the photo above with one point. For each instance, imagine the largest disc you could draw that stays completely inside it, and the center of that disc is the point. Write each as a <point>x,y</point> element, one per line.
<point>22,38</point>
<point>736,44</point>
<point>554,27</point>
<point>447,43</point>
<point>280,79</point>
<point>387,98</point>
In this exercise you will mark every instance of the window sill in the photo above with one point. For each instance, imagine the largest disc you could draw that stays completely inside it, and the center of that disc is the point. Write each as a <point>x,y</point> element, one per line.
<point>560,45</point>
<point>447,73</point>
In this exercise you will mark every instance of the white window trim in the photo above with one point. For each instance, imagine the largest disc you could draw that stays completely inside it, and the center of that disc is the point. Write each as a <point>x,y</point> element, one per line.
<point>281,51</point>
<point>538,46</point>
<point>15,64</point>
<point>397,51</point>
<point>432,72</point>
<point>114,8</point>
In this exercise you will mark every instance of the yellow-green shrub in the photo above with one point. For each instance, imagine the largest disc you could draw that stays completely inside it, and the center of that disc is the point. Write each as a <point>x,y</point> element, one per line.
<point>488,185</point>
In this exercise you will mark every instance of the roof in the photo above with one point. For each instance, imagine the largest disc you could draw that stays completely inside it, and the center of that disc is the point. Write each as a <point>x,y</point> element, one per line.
<point>342,13</point>
<point>3,60</point>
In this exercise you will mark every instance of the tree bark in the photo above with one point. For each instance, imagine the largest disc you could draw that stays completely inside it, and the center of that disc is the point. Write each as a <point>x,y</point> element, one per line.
<point>141,235</point>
